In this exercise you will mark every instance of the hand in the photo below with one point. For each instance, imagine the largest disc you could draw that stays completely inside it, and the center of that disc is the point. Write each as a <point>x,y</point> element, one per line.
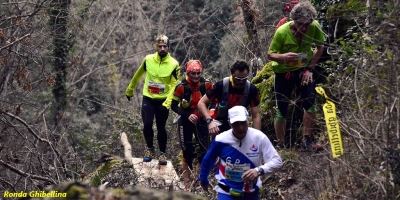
<point>250,175</point>
<point>306,77</point>
<point>163,109</point>
<point>129,98</point>
<point>193,118</point>
<point>213,128</point>
<point>290,56</point>
<point>205,187</point>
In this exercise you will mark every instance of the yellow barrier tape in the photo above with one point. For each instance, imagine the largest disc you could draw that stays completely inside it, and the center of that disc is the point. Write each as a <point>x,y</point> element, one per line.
<point>332,125</point>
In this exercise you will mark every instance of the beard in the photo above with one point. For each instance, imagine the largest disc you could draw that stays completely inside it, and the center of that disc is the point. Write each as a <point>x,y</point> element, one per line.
<point>162,54</point>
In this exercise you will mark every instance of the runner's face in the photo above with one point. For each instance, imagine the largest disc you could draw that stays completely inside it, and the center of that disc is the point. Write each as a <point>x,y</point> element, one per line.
<point>302,25</point>
<point>194,76</point>
<point>240,78</point>
<point>162,49</point>
<point>240,129</point>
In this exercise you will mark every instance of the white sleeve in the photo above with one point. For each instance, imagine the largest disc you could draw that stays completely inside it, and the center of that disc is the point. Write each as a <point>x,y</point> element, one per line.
<point>272,160</point>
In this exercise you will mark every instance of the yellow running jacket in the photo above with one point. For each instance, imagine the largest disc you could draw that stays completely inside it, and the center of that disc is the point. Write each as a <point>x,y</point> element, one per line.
<point>161,78</point>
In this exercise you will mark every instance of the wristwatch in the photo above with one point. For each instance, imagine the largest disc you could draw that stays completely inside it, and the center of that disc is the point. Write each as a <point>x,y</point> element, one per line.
<point>260,171</point>
<point>209,120</point>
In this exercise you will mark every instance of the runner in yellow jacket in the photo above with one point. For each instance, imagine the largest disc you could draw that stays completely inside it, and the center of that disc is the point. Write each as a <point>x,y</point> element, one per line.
<point>162,73</point>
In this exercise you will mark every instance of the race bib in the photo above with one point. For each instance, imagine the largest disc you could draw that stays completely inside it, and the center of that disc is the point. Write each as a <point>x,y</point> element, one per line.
<point>156,88</point>
<point>235,172</point>
<point>302,60</point>
<point>296,63</point>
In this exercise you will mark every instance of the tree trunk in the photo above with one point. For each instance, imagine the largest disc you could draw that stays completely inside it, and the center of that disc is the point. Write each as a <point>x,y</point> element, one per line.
<point>250,17</point>
<point>253,52</point>
<point>58,22</point>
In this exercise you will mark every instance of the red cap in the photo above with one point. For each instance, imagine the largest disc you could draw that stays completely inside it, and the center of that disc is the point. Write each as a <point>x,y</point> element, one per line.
<point>288,6</point>
<point>193,65</point>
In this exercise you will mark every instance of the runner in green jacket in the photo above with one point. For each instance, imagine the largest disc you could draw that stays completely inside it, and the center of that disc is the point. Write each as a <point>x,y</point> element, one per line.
<point>162,72</point>
<point>294,59</point>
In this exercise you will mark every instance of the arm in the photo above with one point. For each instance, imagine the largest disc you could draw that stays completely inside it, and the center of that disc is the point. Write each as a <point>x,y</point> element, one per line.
<point>319,38</point>
<point>254,107</point>
<point>135,80</point>
<point>202,106</point>
<point>317,54</point>
<point>208,163</point>
<point>282,58</point>
<point>307,76</point>
<point>272,160</point>
<point>255,113</point>
<point>179,110</point>
<point>276,52</point>
<point>174,81</point>
<point>275,57</point>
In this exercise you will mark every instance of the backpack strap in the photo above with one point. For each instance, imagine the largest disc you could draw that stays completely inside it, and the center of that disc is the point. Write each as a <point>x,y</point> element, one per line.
<point>202,87</point>
<point>187,91</point>
<point>245,93</point>
<point>225,91</point>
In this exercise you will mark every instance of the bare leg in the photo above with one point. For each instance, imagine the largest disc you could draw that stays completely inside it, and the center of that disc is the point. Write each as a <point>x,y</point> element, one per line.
<point>198,169</point>
<point>308,122</point>
<point>186,175</point>
<point>186,171</point>
<point>280,129</point>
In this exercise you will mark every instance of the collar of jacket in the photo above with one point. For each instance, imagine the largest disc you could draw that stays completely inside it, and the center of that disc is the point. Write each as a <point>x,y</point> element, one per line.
<point>159,59</point>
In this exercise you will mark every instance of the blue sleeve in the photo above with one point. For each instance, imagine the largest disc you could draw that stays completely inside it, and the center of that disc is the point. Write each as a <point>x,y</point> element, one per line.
<point>209,161</point>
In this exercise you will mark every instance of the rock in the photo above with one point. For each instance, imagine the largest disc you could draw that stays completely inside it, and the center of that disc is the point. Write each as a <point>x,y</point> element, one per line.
<point>118,172</point>
<point>118,178</point>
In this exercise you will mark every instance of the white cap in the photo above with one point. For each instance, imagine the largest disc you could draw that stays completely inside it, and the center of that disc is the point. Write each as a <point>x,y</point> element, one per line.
<point>238,114</point>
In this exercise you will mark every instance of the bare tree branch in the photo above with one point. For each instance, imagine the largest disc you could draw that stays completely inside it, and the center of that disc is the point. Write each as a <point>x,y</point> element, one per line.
<point>37,136</point>
<point>15,41</point>
<point>24,174</point>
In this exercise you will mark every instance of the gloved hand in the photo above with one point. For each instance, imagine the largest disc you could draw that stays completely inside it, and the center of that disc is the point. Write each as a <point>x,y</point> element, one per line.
<point>163,109</point>
<point>129,98</point>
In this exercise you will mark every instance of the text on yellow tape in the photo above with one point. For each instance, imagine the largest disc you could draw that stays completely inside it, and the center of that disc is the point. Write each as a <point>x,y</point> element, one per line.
<point>332,125</point>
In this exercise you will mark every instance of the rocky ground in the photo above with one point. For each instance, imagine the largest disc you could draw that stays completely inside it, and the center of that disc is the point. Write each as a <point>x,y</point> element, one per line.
<point>117,179</point>
<point>299,178</point>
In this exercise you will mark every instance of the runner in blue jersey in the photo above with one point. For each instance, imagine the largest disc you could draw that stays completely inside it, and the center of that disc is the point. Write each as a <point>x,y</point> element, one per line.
<point>241,150</point>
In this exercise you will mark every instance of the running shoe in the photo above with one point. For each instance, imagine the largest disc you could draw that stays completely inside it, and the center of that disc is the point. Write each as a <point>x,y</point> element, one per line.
<point>308,144</point>
<point>148,155</point>
<point>162,159</point>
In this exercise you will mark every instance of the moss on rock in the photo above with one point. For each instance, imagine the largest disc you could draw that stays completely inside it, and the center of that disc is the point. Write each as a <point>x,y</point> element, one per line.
<point>82,190</point>
<point>114,171</point>
<point>264,82</point>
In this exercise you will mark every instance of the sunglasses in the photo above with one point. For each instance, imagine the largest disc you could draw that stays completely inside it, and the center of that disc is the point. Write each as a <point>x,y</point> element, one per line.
<point>240,79</point>
<point>195,73</point>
